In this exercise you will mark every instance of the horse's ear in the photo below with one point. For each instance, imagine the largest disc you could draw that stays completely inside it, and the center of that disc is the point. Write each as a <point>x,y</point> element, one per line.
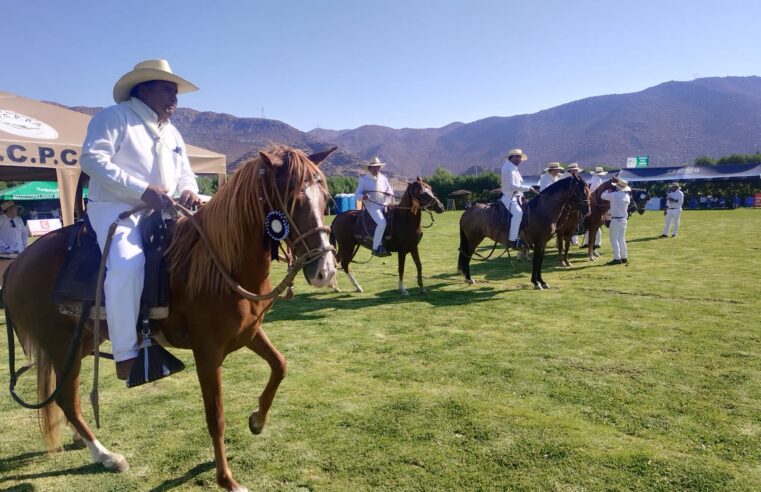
<point>321,156</point>
<point>270,160</point>
<point>419,178</point>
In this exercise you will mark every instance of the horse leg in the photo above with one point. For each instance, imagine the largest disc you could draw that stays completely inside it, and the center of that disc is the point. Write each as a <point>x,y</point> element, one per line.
<point>591,255</point>
<point>262,346</point>
<point>345,261</point>
<point>209,370</point>
<point>536,270</point>
<point>416,258</point>
<point>68,401</point>
<point>402,257</point>
<point>567,247</point>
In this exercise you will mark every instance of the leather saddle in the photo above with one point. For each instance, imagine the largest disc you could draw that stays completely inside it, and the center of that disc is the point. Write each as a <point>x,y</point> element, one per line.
<point>77,279</point>
<point>364,227</point>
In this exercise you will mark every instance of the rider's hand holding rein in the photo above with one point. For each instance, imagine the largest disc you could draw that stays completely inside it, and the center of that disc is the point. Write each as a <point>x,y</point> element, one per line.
<point>189,200</point>
<point>156,197</point>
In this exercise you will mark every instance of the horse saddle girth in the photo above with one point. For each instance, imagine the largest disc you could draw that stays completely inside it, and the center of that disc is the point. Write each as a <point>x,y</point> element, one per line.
<point>77,279</point>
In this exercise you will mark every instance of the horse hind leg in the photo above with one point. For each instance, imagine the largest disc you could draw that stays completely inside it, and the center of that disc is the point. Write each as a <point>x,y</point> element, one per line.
<point>345,259</point>
<point>262,346</point>
<point>68,401</point>
<point>416,258</point>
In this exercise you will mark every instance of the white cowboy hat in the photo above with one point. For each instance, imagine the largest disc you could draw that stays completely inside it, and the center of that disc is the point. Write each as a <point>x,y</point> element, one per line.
<point>599,171</point>
<point>149,70</point>
<point>554,166</point>
<point>574,166</point>
<point>622,185</point>
<point>375,162</point>
<point>519,152</point>
<point>675,184</point>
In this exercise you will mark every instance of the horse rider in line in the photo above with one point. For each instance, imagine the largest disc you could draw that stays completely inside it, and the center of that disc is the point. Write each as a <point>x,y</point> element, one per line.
<point>13,235</point>
<point>573,169</point>
<point>595,183</point>
<point>376,193</point>
<point>551,175</point>
<point>619,217</point>
<point>134,156</point>
<point>674,202</point>
<point>512,192</point>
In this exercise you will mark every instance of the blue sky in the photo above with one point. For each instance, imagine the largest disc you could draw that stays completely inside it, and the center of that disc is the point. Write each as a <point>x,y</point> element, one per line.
<point>401,63</point>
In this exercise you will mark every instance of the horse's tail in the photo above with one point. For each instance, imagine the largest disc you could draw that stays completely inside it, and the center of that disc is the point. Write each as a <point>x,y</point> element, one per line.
<point>463,259</point>
<point>50,417</point>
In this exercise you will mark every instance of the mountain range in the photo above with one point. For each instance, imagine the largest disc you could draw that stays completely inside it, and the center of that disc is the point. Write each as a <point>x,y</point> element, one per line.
<point>672,123</point>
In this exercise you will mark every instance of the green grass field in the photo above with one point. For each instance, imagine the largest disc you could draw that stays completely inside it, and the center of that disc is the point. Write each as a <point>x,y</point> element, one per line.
<point>638,377</point>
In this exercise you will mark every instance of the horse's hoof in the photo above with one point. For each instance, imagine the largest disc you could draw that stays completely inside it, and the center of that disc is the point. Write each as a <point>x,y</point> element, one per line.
<point>359,290</point>
<point>537,287</point>
<point>423,290</point>
<point>545,285</point>
<point>255,424</point>
<point>405,293</point>
<point>470,281</point>
<point>116,462</point>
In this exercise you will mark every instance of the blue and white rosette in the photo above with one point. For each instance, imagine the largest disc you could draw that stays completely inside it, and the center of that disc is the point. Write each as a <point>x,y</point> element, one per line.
<point>277,228</point>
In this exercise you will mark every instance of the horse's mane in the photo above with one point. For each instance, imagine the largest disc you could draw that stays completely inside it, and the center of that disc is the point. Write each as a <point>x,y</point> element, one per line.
<point>233,220</point>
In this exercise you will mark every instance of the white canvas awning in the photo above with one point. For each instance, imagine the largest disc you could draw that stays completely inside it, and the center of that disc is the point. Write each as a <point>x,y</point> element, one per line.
<point>42,142</point>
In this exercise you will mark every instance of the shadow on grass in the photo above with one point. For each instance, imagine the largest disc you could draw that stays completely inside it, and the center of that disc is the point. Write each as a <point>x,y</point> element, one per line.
<point>91,469</point>
<point>306,306</point>
<point>191,474</point>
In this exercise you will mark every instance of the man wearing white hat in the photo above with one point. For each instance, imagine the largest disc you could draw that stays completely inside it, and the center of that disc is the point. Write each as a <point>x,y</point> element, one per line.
<point>134,156</point>
<point>619,217</point>
<point>595,183</point>
<point>550,175</point>
<point>674,202</point>
<point>13,236</point>
<point>376,193</point>
<point>512,192</point>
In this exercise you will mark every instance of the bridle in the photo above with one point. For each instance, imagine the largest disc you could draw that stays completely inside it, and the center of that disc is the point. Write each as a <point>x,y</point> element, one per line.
<point>282,205</point>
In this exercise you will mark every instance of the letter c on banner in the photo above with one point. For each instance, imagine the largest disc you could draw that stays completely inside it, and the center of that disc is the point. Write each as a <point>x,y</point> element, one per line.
<point>12,149</point>
<point>65,157</point>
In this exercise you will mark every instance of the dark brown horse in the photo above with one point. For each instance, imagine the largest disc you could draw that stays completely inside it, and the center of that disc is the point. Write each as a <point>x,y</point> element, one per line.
<point>353,229</point>
<point>599,209</point>
<point>540,217</point>
<point>206,314</point>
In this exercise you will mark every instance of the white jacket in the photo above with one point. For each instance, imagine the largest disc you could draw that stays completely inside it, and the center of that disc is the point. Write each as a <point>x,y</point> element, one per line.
<point>118,155</point>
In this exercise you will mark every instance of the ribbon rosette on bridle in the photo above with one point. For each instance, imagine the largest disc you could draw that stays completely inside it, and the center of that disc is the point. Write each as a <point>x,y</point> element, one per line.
<point>277,228</point>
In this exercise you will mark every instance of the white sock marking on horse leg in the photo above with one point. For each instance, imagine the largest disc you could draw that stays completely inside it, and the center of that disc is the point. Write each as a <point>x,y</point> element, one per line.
<point>402,289</point>
<point>355,283</point>
<point>100,454</point>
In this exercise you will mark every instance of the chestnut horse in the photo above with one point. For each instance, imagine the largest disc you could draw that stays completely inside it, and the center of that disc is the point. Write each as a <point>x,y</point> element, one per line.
<point>206,314</point>
<point>540,218</point>
<point>599,209</point>
<point>404,224</point>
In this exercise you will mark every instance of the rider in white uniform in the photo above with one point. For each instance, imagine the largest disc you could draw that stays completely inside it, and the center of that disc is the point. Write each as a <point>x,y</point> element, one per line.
<point>551,175</point>
<point>376,193</point>
<point>512,192</point>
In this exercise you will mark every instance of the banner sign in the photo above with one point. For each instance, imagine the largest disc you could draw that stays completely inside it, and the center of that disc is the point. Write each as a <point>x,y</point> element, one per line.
<point>643,160</point>
<point>631,162</point>
<point>42,227</point>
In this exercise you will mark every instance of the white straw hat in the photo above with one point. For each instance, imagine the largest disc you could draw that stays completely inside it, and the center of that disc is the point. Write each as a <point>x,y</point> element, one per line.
<point>554,166</point>
<point>375,162</point>
<point>574,166</point>
<point>599,171</point>
<point>519,152</point>
<point>149,70</point>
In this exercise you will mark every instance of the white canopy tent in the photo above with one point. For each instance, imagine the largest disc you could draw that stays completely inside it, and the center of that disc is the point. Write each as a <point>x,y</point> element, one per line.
<point>43,141</point>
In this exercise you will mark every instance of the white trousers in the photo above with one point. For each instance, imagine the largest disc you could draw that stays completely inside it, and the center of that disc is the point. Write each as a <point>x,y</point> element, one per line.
<point>125,265</point>
<point>514,206</point>
<point>618,238</point>
<point>672,217</point>
<point>376,212</point>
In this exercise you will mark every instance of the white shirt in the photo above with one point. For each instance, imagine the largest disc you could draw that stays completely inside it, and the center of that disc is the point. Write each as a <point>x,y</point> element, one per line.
<point>512,181</point>
<point>675,195</point>
<point>595,182</point>
<point>547,179</point>
<point>378,189</point>
<point>12,239</point>
<point>619,203</point>
<point>119,156</point>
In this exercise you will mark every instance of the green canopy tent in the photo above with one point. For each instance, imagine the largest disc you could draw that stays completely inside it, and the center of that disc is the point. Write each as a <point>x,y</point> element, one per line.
<point>33,190</point>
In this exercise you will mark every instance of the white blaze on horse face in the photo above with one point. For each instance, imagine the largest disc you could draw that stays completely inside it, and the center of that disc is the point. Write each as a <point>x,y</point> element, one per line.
<point>325,269</point>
